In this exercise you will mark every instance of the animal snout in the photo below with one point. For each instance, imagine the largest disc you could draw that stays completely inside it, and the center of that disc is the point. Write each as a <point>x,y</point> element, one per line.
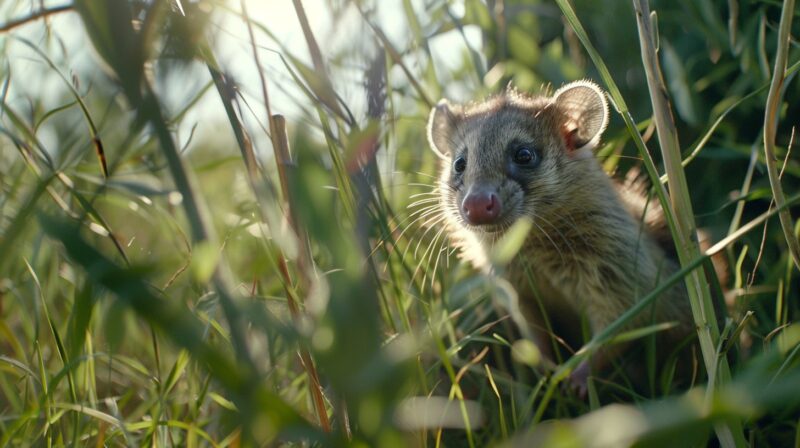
<point>481,207</point>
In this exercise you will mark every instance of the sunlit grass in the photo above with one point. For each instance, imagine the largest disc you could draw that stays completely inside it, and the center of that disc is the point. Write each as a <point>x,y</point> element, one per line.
<point>237,270</point>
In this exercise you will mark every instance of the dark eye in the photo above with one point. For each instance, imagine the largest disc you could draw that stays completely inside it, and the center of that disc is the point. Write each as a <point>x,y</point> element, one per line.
<point>460,164</point>
<point>525,156</point>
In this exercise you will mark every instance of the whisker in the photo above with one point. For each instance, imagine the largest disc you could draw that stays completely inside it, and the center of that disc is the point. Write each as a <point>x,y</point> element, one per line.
<point>429,216</point>
<point>558,231</point>
<point>555,246</point>
<point>420,184</point>
<point>422,201</point>
<point>422,212</point>
<point>429,228</point>
<point>427,193</point>
<point>438,258</point>
<point>574,226</point>
<point>422,259</point>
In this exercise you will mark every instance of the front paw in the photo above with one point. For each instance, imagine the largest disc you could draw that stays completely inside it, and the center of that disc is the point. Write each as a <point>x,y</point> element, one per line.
<point>578,380</point>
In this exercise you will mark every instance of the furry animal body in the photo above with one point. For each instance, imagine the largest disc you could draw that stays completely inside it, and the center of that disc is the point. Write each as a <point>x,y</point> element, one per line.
<point>592,250</point>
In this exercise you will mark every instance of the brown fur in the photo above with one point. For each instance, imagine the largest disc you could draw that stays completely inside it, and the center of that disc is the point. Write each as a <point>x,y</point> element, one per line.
<point>594,248</point>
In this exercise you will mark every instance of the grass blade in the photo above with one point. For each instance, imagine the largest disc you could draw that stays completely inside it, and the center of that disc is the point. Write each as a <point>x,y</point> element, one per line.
<point>771,125</point>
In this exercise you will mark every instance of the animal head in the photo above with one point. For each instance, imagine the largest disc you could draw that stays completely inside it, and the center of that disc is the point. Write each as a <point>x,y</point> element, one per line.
<point>515,155</point>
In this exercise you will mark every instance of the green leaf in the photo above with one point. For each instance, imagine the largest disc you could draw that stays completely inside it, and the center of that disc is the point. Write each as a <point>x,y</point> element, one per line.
<point>678,83</point>
<point>109,24</point>
<point>526,352</point>
<point>205,257</point>
<point>641,332</point>
<point>115,325</point>
<point>80,316</point>
<point>522,46</point>
<point>511,242</point>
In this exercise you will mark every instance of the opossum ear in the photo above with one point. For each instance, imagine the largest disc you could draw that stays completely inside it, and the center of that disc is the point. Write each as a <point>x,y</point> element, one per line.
<point>440,126</point>
<point>583,114</point>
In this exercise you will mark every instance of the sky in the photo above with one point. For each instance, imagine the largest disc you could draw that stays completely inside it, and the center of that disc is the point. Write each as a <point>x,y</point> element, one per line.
<point>75,58</point>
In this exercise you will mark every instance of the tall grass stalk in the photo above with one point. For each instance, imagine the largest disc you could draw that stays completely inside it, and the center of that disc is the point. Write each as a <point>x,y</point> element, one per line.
<point>280,145</point>
<point>397,58</point>
<point>323,83</point>
<point>282,157</point>
<point>686,238</point>
<point>771,126</point>
<point>197,216</point>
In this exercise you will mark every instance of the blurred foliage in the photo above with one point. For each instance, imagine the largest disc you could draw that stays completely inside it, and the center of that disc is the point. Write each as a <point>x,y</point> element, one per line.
<point>152,248</point>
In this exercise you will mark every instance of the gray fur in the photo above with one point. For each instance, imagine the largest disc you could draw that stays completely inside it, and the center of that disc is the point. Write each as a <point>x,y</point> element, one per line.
<point>589,252</point>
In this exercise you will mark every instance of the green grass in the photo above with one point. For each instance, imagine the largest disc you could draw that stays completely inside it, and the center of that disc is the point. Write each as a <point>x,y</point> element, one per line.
<point>181,266</point>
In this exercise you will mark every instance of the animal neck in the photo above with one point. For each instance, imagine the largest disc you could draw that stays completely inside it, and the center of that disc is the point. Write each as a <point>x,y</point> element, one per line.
<point>589,219</point>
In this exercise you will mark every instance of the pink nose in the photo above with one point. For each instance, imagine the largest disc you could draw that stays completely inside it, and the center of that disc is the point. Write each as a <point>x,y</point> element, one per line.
<point>481,207</point>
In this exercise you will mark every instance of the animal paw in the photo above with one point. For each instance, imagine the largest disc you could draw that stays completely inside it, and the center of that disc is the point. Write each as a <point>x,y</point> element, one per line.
<point>579,380</point>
